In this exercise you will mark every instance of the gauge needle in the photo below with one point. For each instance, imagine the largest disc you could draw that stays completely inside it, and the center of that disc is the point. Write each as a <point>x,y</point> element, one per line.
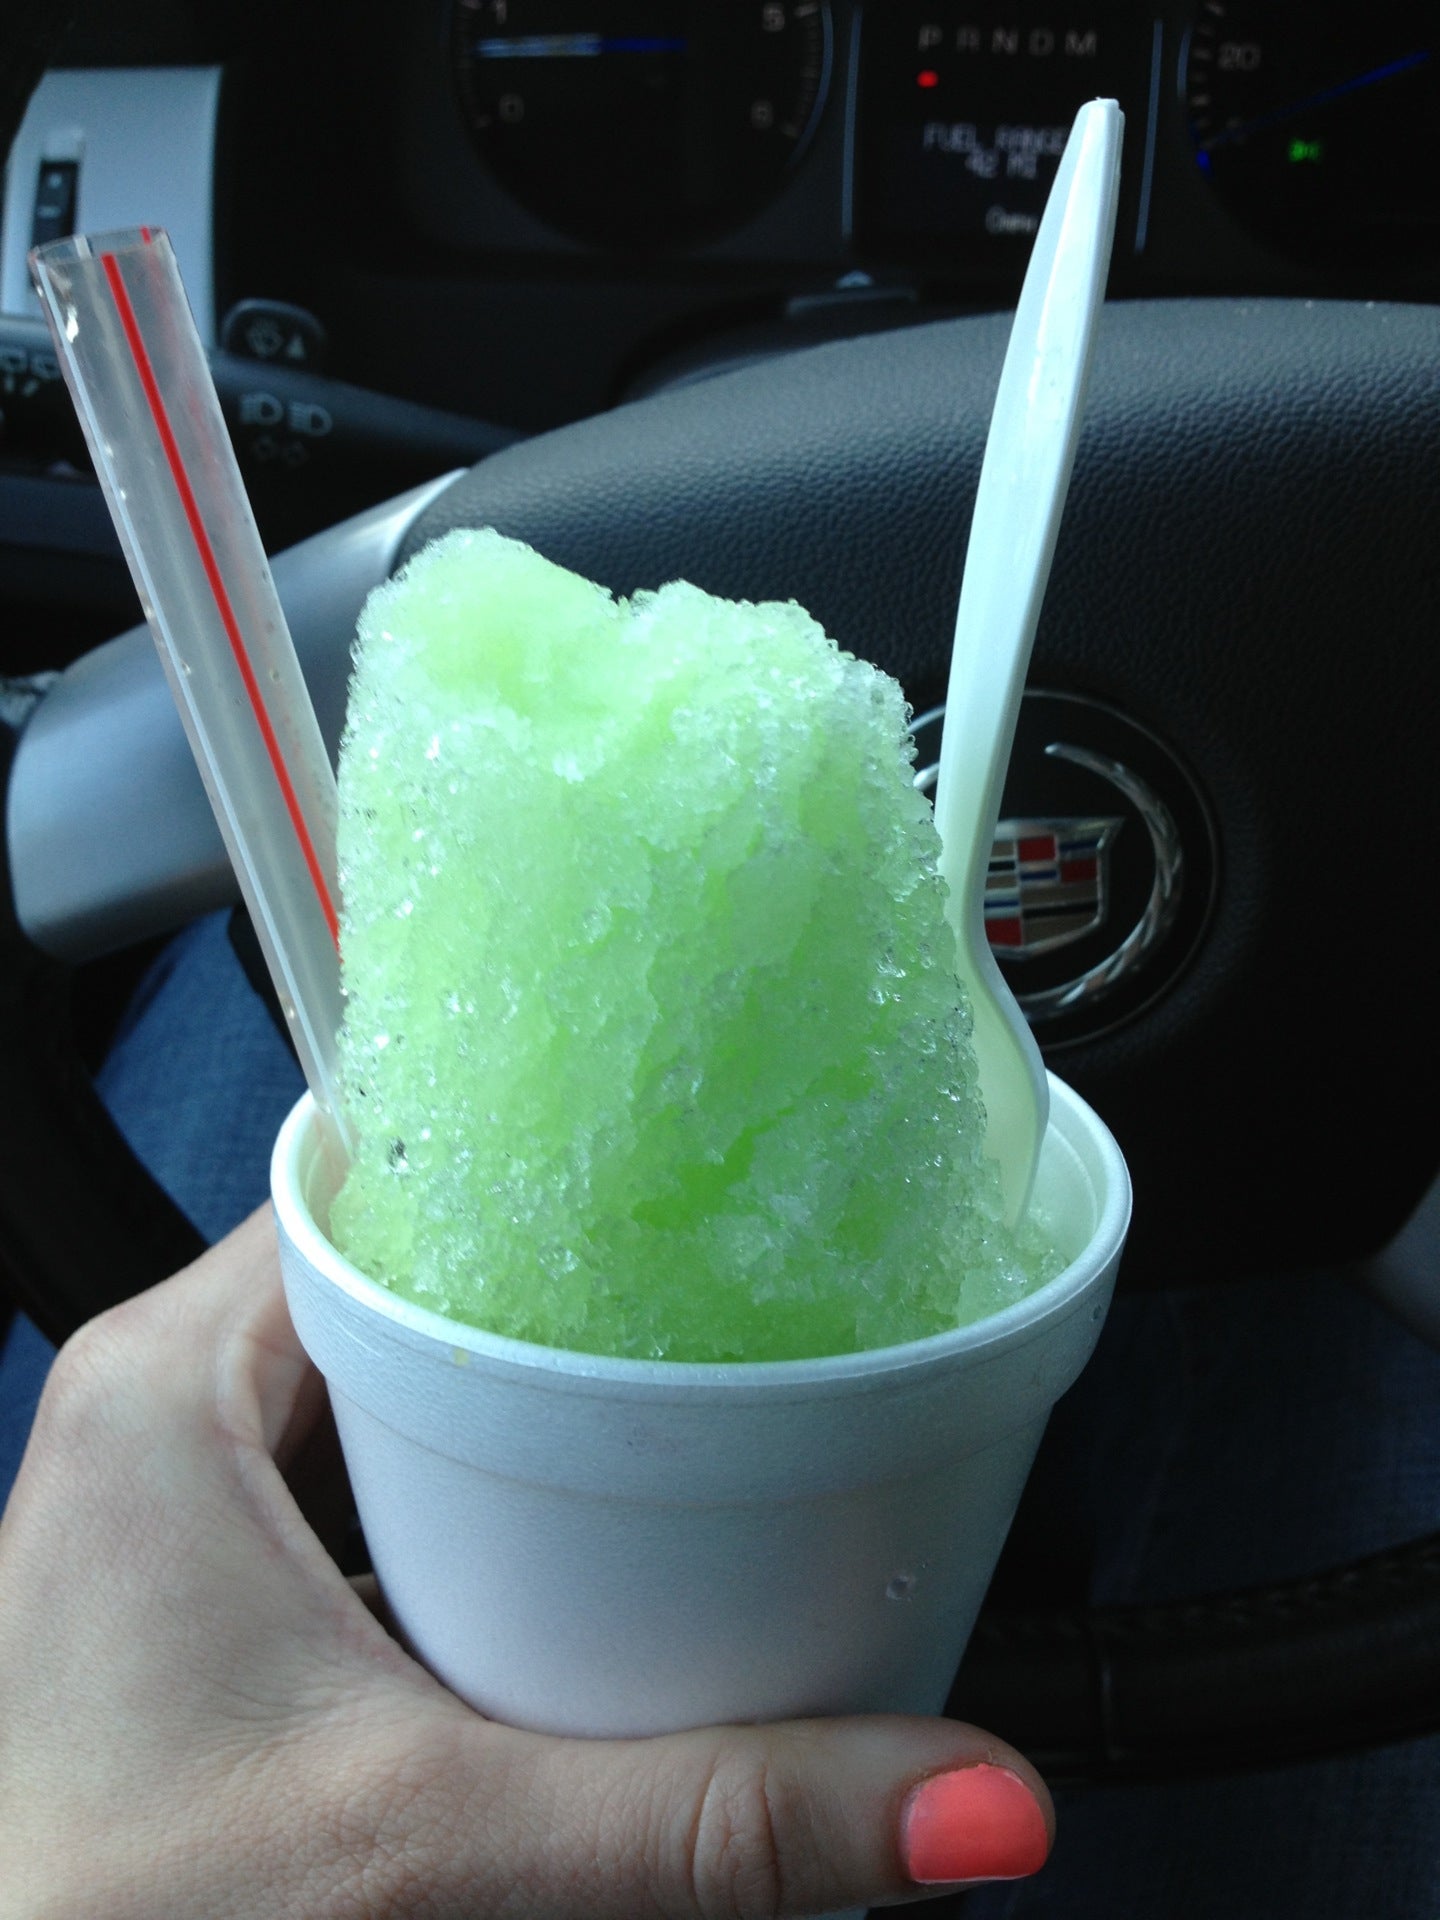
<point>1278,114</point>
<point>576,46</point>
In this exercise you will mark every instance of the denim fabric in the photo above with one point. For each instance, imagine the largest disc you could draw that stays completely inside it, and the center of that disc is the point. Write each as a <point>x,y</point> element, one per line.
<point>198,1080</point>
<point>1219,1437</point>
<point>25,1356</point>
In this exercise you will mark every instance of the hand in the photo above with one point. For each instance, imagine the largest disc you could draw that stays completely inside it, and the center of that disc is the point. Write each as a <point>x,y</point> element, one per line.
<point>200,1717</point>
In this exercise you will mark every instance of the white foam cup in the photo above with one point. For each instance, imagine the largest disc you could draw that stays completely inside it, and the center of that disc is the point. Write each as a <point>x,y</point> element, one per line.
<point>620,1547</point>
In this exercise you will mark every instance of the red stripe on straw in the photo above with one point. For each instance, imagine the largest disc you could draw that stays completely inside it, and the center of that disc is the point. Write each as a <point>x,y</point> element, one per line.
<point>217,586</point>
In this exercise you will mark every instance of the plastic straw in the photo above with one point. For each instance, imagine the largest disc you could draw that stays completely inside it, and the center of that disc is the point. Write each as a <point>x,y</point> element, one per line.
<point>142,388</point>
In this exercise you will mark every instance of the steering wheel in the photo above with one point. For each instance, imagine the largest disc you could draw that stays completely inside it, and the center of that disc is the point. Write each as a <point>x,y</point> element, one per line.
<point>1236,668</point>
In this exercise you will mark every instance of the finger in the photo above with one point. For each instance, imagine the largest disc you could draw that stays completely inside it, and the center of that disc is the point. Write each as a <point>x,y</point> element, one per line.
<point>234,1372</point>
<point>266,1389</point>
<point>167,1418</point>
<point>734,1823</point>
<point>315,1473</point>
<point>215,1337</point>
<point>232,1301</point>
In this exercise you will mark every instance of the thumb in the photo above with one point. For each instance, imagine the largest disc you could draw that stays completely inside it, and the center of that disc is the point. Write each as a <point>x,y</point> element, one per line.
<point>741,1823</point>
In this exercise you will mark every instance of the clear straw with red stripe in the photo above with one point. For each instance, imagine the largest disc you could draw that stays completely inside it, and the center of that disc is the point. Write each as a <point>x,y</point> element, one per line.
<point>142,388</point>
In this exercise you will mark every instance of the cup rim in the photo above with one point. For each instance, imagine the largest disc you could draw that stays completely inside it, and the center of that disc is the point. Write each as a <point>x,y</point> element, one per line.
<point>298,1136</point>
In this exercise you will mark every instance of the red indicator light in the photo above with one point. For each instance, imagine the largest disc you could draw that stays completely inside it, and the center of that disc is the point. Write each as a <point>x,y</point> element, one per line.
<point>927,77</point>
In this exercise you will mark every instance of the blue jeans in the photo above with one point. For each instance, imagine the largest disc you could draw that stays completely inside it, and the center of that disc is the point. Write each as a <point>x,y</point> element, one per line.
<point>1219,1437</point>
<point>198,1080</point>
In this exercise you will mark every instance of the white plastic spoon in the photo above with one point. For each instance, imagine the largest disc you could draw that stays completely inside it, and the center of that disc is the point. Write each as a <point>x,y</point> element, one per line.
<point>1023,480</point>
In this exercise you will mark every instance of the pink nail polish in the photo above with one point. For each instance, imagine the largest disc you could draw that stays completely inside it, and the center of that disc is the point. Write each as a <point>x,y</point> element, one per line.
<point>977,1823</point>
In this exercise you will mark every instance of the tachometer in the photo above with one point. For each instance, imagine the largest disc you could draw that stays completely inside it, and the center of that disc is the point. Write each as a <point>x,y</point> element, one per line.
<point>1316,123</point>
<point>641,123</point>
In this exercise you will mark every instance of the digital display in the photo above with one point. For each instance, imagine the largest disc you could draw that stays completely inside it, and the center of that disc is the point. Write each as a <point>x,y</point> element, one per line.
<point>964,112</point>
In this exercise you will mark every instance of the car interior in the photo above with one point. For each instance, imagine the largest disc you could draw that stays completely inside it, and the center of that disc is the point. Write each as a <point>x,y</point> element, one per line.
<point>721,292</point>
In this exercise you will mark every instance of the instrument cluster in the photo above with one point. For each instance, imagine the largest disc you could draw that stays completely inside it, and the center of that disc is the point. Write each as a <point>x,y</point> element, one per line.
<point>923,134</point>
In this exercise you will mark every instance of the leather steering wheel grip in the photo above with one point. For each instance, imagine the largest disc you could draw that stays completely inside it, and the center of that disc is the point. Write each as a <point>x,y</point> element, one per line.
<point>1256,1677</point>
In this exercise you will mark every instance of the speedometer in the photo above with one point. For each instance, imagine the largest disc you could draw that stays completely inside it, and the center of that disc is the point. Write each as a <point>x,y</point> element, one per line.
<point>1315,121</point>
<point>641,123</point>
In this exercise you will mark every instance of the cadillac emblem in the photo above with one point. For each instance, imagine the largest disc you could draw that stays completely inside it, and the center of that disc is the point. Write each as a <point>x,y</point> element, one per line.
<point>1102,872</point>
<point>1047,883</point>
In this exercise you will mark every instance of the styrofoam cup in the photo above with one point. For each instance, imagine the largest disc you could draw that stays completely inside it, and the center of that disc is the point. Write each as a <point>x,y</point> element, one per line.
<point>618,1547</point>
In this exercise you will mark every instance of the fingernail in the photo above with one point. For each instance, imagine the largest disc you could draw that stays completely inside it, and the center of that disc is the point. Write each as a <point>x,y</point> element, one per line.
<point>977,1823</point>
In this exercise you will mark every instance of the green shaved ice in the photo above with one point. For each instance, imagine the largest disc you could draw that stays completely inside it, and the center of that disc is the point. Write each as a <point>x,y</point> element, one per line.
<point>653,1042</point>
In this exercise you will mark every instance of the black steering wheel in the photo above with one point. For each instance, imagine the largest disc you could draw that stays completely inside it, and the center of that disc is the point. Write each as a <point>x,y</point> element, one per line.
<point>1237,669</point>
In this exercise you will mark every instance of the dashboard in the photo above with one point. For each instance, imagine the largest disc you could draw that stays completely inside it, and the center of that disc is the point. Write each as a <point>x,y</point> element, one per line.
<point>659,125</point>
<point>523,212</point>
<point>528,209</point>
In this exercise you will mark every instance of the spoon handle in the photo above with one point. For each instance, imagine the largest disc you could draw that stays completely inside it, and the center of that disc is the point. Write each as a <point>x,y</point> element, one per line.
<point>1023,480</point>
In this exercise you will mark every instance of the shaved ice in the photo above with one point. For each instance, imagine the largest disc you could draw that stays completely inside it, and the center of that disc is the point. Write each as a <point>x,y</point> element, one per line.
<point>653,1044</point>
